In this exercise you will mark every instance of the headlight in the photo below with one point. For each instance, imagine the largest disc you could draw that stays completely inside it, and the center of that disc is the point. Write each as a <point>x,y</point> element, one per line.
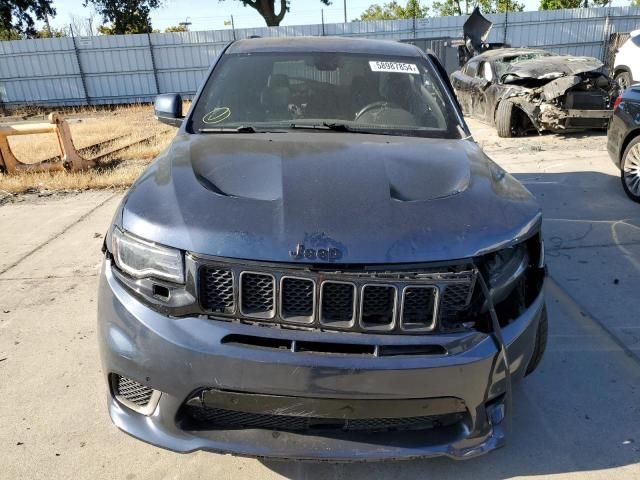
<point>140,258</point>
<point>504,268</point>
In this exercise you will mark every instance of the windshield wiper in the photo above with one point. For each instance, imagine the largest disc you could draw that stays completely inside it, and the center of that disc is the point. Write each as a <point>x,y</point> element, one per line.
<point>240,129</point>
<point>338,127</point>
<point>341,127</point>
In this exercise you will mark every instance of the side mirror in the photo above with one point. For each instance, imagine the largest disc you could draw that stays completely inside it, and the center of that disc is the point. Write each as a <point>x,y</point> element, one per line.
<point>168,109</point>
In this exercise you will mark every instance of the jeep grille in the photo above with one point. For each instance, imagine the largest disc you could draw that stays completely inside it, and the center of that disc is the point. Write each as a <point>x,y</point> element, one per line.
<point>385,301</point>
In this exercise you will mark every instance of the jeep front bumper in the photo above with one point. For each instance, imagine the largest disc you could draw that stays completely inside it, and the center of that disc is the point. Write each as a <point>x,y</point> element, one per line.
<point>184,360</point>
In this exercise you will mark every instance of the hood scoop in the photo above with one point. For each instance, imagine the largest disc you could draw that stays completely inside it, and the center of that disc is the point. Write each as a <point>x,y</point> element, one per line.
<point>411,179</point>
<point>245,175</point>
<point>327,172</point>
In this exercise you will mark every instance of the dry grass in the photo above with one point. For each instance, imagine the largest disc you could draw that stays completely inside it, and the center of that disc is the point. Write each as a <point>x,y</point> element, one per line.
<point>120,176</point>
<point>127,124</point>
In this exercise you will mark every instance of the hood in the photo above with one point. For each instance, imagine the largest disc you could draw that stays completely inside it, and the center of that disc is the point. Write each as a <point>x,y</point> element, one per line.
<point>476,31</point>
<point>552,67</point>
<point>377,199</point>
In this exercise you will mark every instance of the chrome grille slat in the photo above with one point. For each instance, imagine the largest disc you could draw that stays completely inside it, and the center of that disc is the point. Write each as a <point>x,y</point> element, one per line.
<point>216,290</point>
<point>297,299</point>
<point>257,294</point>
<point>338,304</point>
<point>378,307</point>
<point>419,304</point>
<point>367,301</point>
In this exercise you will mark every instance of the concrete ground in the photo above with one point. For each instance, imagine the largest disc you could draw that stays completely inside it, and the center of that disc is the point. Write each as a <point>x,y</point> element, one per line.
<point>578,416</point>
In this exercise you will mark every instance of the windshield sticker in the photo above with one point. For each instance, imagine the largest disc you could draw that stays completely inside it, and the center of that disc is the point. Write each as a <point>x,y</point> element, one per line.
<point>216,115</point>
<point>394,67</point>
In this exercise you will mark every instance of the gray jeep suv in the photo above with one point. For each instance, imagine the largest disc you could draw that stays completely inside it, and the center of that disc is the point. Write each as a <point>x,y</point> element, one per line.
<point>322,265</point>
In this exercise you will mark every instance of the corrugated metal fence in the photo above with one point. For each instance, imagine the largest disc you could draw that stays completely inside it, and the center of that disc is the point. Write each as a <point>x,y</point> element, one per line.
<point>135,68</point>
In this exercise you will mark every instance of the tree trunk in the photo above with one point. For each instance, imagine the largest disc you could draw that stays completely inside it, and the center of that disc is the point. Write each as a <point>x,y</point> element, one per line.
<point>266,8</point>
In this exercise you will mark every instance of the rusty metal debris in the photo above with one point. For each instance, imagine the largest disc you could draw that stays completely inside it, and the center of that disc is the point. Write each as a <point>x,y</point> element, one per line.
<point>70,159</point>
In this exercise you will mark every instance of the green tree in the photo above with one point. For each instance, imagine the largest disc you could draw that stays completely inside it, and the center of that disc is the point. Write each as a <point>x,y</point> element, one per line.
<point>176,29</point>
<point>444,8</point>
<point>124,16</point>
<point>635,3</point>
<point>10,34</point>
<point>394,11</point>
<point>53,33</point>
<point>17,17</point>
<point>267,9</point>
<point>560,4</point>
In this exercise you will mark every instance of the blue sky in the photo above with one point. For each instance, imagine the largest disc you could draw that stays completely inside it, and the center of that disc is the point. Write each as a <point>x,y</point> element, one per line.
<point>211,14</point>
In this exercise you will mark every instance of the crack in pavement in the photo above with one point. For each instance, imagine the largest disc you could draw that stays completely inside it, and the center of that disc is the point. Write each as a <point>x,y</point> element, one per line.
<point>49,277</point>
<point>57,235</point>
<point>601,245</point>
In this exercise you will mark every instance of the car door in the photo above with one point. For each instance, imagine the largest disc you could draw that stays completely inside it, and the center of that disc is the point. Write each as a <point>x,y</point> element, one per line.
<point>461,81</point>
<point>480,89</point>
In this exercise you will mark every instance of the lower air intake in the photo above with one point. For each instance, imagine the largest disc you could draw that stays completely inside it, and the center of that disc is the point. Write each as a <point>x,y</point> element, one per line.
<point>216,418</point>
<point>134,395</point>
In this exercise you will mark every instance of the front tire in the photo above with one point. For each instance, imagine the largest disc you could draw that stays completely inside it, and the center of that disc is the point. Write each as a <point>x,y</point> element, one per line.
<point>623,79</point>
<point>630,171</point>
<point>541,342</point>
<point>505,119</point>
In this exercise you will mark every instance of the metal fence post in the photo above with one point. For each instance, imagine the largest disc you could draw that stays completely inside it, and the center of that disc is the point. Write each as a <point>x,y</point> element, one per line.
<point>414,24</point>
<point>153,64</point>
<point>83,80</point>
<point>606,35</point>
<point>506,23</point>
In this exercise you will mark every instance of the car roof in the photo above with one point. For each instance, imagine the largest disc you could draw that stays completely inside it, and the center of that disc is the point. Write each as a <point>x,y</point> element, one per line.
<point>499,53</point>
<point>323,44</point>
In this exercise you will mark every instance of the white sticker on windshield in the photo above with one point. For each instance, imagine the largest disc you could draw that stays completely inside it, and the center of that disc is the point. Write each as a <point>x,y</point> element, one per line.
<point>394,67</point>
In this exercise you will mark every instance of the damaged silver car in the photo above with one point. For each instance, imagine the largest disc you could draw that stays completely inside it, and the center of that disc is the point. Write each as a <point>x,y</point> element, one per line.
<point>520,90</point>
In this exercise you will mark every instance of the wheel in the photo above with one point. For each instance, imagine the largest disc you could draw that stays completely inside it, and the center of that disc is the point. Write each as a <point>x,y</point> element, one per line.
<point>630,171</point>
<point>623,79</point>
<point>541,342</point>
<point>504,119</point>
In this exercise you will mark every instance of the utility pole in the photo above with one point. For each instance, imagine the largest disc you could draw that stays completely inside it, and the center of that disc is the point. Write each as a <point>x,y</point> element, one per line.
<point>322,16</point>
<point>345,11</point>
<point>233,27</point>
<point>185,24</point>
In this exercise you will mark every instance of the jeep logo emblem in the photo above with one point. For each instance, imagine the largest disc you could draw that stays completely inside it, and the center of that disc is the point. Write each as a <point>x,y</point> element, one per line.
<point>325,254</point>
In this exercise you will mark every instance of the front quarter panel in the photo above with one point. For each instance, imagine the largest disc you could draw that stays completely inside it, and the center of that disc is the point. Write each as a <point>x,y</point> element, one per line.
<point>625,125</point>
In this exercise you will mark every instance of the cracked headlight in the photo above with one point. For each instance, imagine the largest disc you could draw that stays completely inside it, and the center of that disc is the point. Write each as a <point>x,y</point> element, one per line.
<point>141,258</point>
<point>504,268</point>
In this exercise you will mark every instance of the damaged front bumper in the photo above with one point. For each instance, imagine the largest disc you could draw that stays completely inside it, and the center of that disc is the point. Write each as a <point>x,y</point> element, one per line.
<point>552,117</point>
<point>189,366</point>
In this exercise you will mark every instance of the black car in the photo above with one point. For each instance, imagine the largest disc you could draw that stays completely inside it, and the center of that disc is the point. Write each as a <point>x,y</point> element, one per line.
<point>521,89</point>
<point>322,265</point>
<point>623,142</point>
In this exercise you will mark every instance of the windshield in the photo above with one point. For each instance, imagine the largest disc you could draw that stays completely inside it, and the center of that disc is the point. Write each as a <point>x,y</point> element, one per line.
<point>502,65</point>
<point>356,92</point>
